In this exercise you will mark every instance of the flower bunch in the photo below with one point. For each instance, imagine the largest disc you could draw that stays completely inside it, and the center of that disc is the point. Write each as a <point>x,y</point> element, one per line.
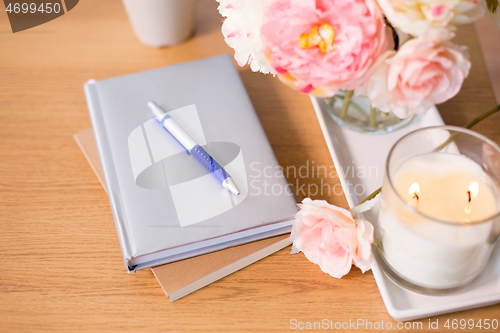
<point>319,47</point>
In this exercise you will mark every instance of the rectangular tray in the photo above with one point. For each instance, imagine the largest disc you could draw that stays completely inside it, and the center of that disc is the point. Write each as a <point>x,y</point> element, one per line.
<point>366,155</point>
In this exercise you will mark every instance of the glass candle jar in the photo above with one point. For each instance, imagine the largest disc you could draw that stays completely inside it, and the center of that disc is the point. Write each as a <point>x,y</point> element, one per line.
<point>440,209</point>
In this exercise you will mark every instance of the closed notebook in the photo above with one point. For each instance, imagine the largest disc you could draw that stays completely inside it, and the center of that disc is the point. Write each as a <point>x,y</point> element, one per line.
<point>165,205</point>
<point>182,277</point>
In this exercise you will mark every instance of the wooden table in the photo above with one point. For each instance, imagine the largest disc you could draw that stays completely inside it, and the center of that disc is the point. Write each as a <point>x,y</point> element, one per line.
<point>62,266</point>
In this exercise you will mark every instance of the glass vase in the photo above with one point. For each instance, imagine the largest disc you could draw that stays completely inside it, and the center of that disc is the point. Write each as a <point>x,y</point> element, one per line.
<point>360,117</point>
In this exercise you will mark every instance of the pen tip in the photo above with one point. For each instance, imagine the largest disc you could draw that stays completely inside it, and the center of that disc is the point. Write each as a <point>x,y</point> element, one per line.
<point>229,184</point>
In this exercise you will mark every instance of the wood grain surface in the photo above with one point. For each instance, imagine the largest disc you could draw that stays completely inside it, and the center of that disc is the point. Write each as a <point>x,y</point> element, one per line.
<point>62,269</point>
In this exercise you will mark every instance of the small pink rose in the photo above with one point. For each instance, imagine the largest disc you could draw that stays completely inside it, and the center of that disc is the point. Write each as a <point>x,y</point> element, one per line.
<point>421,73</point>
<point>330,237</point>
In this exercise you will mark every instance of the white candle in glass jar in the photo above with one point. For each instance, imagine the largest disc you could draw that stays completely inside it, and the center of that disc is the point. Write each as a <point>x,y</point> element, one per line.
<point>445,234</point>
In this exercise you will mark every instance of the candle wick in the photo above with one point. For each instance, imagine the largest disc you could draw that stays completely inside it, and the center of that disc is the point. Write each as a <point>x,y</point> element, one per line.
<point>415,196</point>
<point>467,207</point>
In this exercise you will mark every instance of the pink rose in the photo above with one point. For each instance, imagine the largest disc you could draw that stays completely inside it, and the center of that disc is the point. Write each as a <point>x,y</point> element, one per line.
<point>423,72</point>
<point>321,46</point>
<point>331,238</point>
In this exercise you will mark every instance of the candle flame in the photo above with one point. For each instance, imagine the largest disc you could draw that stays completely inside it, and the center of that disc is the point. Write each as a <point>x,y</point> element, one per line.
<point>414,190</point>
<point>474,189</point>
<point>471,193</point>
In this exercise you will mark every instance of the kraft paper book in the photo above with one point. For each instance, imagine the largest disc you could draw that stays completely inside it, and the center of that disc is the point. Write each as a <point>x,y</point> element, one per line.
<point>166,206</point>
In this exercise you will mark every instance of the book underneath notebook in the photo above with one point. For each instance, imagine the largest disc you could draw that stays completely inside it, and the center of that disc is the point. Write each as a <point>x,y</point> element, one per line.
<point>181,278</point>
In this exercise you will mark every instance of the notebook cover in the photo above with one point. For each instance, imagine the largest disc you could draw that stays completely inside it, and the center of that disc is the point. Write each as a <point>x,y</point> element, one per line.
<point>177,275</point>
<point>166,207</point>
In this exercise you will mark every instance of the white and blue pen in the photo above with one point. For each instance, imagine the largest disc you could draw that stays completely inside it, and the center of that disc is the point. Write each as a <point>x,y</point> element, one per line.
<point>192,147</point>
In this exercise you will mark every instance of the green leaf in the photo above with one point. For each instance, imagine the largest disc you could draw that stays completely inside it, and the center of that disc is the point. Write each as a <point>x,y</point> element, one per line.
<point>492,5</point>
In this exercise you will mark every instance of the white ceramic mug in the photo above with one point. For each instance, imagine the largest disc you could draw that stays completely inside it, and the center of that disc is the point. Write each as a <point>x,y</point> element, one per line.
<point>159,23</point>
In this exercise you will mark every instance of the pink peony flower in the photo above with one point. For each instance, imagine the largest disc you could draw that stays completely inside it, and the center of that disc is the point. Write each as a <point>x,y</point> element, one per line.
<point>423,72</point>
<point>321,46</point>
<point>331,238</point>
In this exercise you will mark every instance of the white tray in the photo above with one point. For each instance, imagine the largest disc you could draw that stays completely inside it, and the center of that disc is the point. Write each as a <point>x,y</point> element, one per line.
<point>366,152</point>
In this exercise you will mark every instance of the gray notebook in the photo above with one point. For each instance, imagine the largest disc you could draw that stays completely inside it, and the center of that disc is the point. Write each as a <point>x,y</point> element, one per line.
<point>166,205</point>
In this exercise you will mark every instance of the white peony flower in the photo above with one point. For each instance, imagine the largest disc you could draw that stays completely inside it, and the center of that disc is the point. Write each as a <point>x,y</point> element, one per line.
<point>241,30</point>
<point>417,17</point>
<point>469,11</point>
<point>496,17</point>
